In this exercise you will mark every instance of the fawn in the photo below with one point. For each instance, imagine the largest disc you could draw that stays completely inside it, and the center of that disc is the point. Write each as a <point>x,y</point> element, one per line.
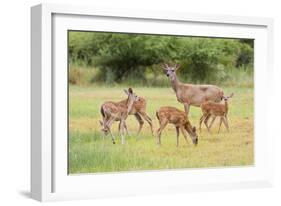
<point>117,111</point>
<point>139,111</point>
<point>215,109</point>
<point>178,118</point>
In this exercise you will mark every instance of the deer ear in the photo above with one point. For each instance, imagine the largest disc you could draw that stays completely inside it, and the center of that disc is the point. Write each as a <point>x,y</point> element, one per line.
<point>177,66</point>
<point>164,66</point>
<point>231,95</point>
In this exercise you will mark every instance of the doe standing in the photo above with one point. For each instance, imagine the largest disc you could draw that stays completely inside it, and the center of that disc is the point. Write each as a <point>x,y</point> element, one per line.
<point>192,94</point>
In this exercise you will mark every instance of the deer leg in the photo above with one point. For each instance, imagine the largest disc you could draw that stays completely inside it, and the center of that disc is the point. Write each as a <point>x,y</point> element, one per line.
<point>125,127</point>
<point>186,108</point>
<point>200,122</point>
<point>220,124</point>
<point>148,119</point>
<point>103,122</point>
<point>184,134</point>
<point>206,121</point>
<point>212,122</point>
<point>158,140</point>
<point>108,125</point>
<point>104,119</point>
<point>162,126</point>
<point>122,132</point>
<point>141,122</point>
<point>119,127</point>
<point>102,128</point>
<point>178,133</point>
<point>225,123</point>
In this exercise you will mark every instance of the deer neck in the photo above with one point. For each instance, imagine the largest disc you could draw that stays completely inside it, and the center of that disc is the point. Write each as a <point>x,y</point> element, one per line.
<point>226,106</point>
<point>129,105</point>
<point>188,128</point>
<point>175,83</point>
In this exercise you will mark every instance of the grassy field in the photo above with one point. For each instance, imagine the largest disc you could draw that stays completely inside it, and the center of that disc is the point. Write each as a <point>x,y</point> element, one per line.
<point>89,153</point>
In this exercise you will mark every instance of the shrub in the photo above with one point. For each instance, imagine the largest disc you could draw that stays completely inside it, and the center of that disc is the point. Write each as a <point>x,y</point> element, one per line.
<point>74,76</point>
<point>133,58</point>
<point>81,75</point>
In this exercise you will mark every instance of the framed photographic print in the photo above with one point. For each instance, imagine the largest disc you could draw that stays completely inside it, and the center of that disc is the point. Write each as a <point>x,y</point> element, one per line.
<point>137,102</point>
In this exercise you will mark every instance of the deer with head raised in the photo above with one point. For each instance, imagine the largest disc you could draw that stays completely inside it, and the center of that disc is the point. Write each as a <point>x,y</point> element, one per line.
<point>191,94</point>
<point>179,119</point>
<point>213,109</point>
<point>139,111</point>
<point>117,111</point>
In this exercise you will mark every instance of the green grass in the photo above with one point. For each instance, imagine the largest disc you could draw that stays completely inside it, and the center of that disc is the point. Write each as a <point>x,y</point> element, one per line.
<point>89,152</point>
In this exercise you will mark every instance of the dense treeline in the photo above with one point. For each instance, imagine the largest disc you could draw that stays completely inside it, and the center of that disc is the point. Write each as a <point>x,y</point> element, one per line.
<point>117,58</point>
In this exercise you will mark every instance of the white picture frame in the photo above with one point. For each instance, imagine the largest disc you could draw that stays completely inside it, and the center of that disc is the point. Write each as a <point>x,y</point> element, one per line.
<point>49,178</point>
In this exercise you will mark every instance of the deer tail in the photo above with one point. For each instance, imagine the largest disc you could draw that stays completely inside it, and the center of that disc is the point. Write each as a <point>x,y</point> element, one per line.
<point>102,111</point>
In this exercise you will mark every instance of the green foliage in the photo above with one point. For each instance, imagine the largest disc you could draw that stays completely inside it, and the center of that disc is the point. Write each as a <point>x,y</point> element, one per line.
<point>125,56</point>
<point>245,56</point>
<point>80,75</point>
<point>137,58</point>
<point>199,58</point>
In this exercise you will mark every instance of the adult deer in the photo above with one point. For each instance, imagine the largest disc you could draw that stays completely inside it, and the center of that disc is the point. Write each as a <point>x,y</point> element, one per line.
<point>192,94</point>
<point>117,111</point>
